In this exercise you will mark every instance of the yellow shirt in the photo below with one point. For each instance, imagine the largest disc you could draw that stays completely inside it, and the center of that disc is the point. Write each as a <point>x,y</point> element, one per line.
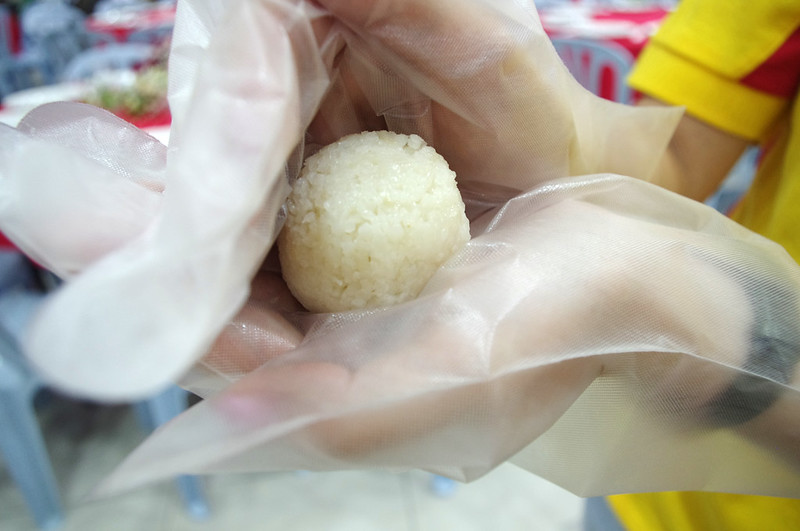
<point>736,65</point>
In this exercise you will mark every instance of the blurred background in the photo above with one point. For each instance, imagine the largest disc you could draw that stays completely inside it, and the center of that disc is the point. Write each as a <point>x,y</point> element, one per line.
<point>55,449</point>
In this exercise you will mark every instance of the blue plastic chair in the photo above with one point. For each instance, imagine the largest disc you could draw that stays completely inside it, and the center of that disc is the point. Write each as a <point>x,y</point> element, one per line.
<point>442,487</point>
<point>18,71</point>
<point>24,71</point>
<point>113,5</point>
<point>21,441</point>
<point>55,30</point>
<point>118,56</point>
<point>5,31</point>
<point>736,183</point>
<point>157,411</point>
<point>157,35</point>
<point>588,60</point>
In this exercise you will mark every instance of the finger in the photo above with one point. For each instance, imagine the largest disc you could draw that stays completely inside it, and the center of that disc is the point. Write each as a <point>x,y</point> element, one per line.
<point>498,417</point>
<point>216,427</point>
<point>98,135</point>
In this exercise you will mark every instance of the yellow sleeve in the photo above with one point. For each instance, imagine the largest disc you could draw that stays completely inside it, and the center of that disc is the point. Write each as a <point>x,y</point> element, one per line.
<point>703,511</point>
<point>703,51</point>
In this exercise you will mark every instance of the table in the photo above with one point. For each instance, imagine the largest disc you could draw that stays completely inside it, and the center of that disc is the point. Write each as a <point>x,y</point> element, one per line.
<point>121,24</point>
<point>157,126</point>
<point>630,28</point>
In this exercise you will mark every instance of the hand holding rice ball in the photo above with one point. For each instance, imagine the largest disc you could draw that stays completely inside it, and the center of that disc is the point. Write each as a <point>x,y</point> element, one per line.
<point>369,221</point>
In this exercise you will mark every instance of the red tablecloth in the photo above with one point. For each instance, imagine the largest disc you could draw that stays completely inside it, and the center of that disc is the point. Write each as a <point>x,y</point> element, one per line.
<point>5,244</point>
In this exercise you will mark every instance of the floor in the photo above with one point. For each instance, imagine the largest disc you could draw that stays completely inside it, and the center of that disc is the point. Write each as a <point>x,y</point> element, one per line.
<point>86,441</point>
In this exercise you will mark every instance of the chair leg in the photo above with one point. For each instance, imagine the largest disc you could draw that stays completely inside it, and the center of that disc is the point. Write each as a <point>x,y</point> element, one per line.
<point>442,487</point>
<point>23,447</point>
<point>153,413</point>
<point>194,497</point>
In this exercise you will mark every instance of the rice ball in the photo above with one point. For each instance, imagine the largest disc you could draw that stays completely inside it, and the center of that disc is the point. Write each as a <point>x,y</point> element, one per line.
<point>369,220</point>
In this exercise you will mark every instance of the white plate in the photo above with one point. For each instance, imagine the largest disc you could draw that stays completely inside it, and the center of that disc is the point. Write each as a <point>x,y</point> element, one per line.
<point>46,94</point>
<point>12,115</point>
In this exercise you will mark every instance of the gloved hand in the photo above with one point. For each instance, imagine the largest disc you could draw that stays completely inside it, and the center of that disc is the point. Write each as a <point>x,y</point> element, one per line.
<point>247,82</point>
<point>563,288</point>
<point>166,241</point>
<point>480,81</point>
<point>623,348</point>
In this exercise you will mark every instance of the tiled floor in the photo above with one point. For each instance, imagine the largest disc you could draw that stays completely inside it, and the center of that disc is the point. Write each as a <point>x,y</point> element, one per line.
<point>86,442</point>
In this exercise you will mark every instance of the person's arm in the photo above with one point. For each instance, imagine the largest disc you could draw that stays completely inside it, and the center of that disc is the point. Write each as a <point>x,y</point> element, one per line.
<point>699,157</point>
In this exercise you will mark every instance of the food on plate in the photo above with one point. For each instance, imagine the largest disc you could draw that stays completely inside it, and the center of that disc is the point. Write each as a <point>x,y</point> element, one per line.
<point>369,221</point>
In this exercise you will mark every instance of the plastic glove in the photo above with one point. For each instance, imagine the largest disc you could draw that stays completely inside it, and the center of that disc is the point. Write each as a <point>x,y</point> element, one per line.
<point>378,388</point>
<point>481,82</point>
<point>650,309</point>
<point>246,79</point>
<point>174,267</point>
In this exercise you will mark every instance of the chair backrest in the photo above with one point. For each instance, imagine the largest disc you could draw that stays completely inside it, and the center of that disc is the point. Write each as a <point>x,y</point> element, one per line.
<point>55,30</point>
<point>594,64</point>
<point>118,56</point>
<point>46,17</point>
<point>111,5</point>
<point>5,32</point>
<point>19,300</point>
<point>6,70</point>
<point>156,35</point>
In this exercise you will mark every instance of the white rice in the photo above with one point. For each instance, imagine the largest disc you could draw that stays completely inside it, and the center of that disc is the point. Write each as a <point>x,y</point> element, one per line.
<point>369,221</point>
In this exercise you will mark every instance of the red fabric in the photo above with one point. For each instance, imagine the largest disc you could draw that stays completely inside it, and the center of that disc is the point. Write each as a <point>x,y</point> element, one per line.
<point>159,119</point>
<point>779,75</point>
<point>5,243</point>
<point>637,16</point>
<point>15,34</point>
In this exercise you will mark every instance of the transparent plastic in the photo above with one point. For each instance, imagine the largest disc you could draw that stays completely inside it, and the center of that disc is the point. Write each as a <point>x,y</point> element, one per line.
<point>597,330</point>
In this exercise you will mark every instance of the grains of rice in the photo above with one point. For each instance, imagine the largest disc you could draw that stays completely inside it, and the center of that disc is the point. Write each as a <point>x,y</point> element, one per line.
<point>369,221</point>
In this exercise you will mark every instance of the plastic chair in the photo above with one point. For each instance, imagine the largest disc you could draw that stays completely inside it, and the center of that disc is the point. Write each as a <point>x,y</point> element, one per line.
<point>589,62</point>
<point>56,30</point>
<point>113,5</point>
<point>736,183</point>
<point>442,487</point>
<point>156,35</point>
<point>5,31</point>
<point>21,441</point>
<point>18,71</point>
<point>5,49</point>
<point>117,56</point>
<point>23,71</point>
<point>157,411</point>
